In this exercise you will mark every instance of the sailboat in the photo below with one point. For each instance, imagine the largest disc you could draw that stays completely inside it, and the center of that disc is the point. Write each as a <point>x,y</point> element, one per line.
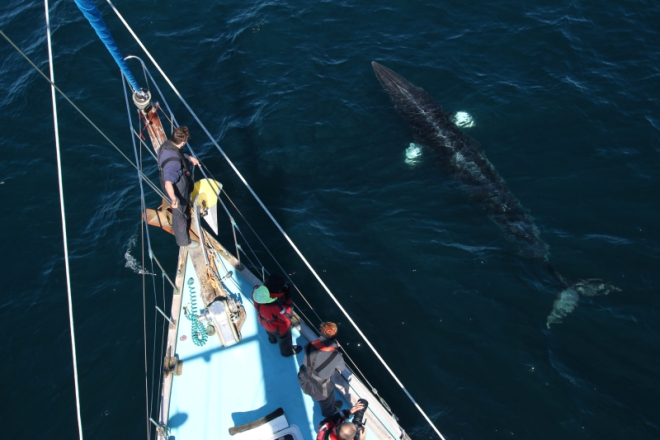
<point>220,378</point>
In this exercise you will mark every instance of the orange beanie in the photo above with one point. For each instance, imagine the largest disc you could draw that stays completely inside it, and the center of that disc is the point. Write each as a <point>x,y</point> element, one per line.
<point>328,330</point>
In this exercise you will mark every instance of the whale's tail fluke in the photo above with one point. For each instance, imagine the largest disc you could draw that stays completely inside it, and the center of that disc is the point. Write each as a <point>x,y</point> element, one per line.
<point>567,299</point>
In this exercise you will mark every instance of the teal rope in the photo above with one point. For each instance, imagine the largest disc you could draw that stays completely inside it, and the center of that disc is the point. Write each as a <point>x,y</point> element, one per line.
<point>197,329</point>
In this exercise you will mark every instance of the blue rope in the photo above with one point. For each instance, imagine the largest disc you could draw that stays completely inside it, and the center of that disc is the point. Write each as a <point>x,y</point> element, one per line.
<point>93,15</point>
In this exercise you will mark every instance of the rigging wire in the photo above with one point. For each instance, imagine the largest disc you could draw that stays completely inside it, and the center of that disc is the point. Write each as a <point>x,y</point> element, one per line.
<point>353,363</point>
<point>172,120</point>
<point>141,175</point>
<point>248,245</point>
<point>314,329</point>
<point>153,350</point>
<point>144,331</point>
<point>142,143</point>
<point>251,263</point>
<point>298,308</point>
<point>52,83</point>
<point>162,345</point>
<point>143,229</point>
<point>62,211</point>
<point>272,256</point>
<point>162,348</point>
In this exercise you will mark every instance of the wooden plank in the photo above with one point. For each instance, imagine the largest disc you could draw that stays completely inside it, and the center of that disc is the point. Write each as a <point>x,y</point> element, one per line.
<point>160,218</point>
<point>208,292</point>
<point>154,127</point>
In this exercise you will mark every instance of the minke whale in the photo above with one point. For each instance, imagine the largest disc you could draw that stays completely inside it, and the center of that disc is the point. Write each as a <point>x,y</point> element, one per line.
<point>462,158</point>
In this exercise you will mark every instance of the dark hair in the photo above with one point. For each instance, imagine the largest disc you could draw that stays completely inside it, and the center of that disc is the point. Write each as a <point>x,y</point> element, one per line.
<point>275,283</point>
<point>180,134</point>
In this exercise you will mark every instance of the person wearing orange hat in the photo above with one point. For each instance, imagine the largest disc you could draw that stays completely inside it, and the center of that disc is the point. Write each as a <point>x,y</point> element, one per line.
<point>273,304</point>
<point>321,361</point>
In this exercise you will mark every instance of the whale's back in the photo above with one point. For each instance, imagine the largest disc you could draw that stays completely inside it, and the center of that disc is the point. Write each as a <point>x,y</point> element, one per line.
<point>432,126</point>
<point>462,158</point>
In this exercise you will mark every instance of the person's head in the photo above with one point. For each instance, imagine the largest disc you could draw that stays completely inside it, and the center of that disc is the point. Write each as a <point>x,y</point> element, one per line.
<point>275,283</point>
<point>180,135</point>
<point>328,330</point>
<point>346,431</point>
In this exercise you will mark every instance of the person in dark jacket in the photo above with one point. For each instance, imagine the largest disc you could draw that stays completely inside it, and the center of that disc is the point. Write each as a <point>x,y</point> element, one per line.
<point>177,183</point>
<point>321,361</point>
<point>336,427</point>
<point>273,304</point>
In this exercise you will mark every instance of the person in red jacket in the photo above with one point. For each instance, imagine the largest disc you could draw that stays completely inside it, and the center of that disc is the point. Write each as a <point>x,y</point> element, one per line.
<point>336,427</point>
<point>273,304</point>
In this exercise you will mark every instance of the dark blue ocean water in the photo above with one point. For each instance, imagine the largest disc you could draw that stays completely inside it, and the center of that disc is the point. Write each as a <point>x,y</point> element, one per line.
<point>565,100</point>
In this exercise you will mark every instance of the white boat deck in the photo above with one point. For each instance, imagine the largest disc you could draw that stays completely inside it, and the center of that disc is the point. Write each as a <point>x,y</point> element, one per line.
<point>222,387</point>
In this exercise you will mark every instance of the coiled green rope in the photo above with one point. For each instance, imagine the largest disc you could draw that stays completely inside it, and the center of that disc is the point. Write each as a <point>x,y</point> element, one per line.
<point>197,329</point>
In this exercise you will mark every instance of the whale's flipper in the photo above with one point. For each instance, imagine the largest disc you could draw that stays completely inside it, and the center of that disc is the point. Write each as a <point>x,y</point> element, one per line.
<point>566,302</point>
<point>567,299</point>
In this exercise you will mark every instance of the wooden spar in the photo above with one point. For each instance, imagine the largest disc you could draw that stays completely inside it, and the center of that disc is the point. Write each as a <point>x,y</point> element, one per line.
<point>151,120</point>
<point>161,217</point>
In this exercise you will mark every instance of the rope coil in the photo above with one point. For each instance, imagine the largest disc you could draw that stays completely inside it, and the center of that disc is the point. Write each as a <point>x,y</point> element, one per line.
<point>197,329</point>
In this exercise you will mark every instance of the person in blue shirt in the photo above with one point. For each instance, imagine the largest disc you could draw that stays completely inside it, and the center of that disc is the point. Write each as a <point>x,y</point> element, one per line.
<point>176,181</point>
